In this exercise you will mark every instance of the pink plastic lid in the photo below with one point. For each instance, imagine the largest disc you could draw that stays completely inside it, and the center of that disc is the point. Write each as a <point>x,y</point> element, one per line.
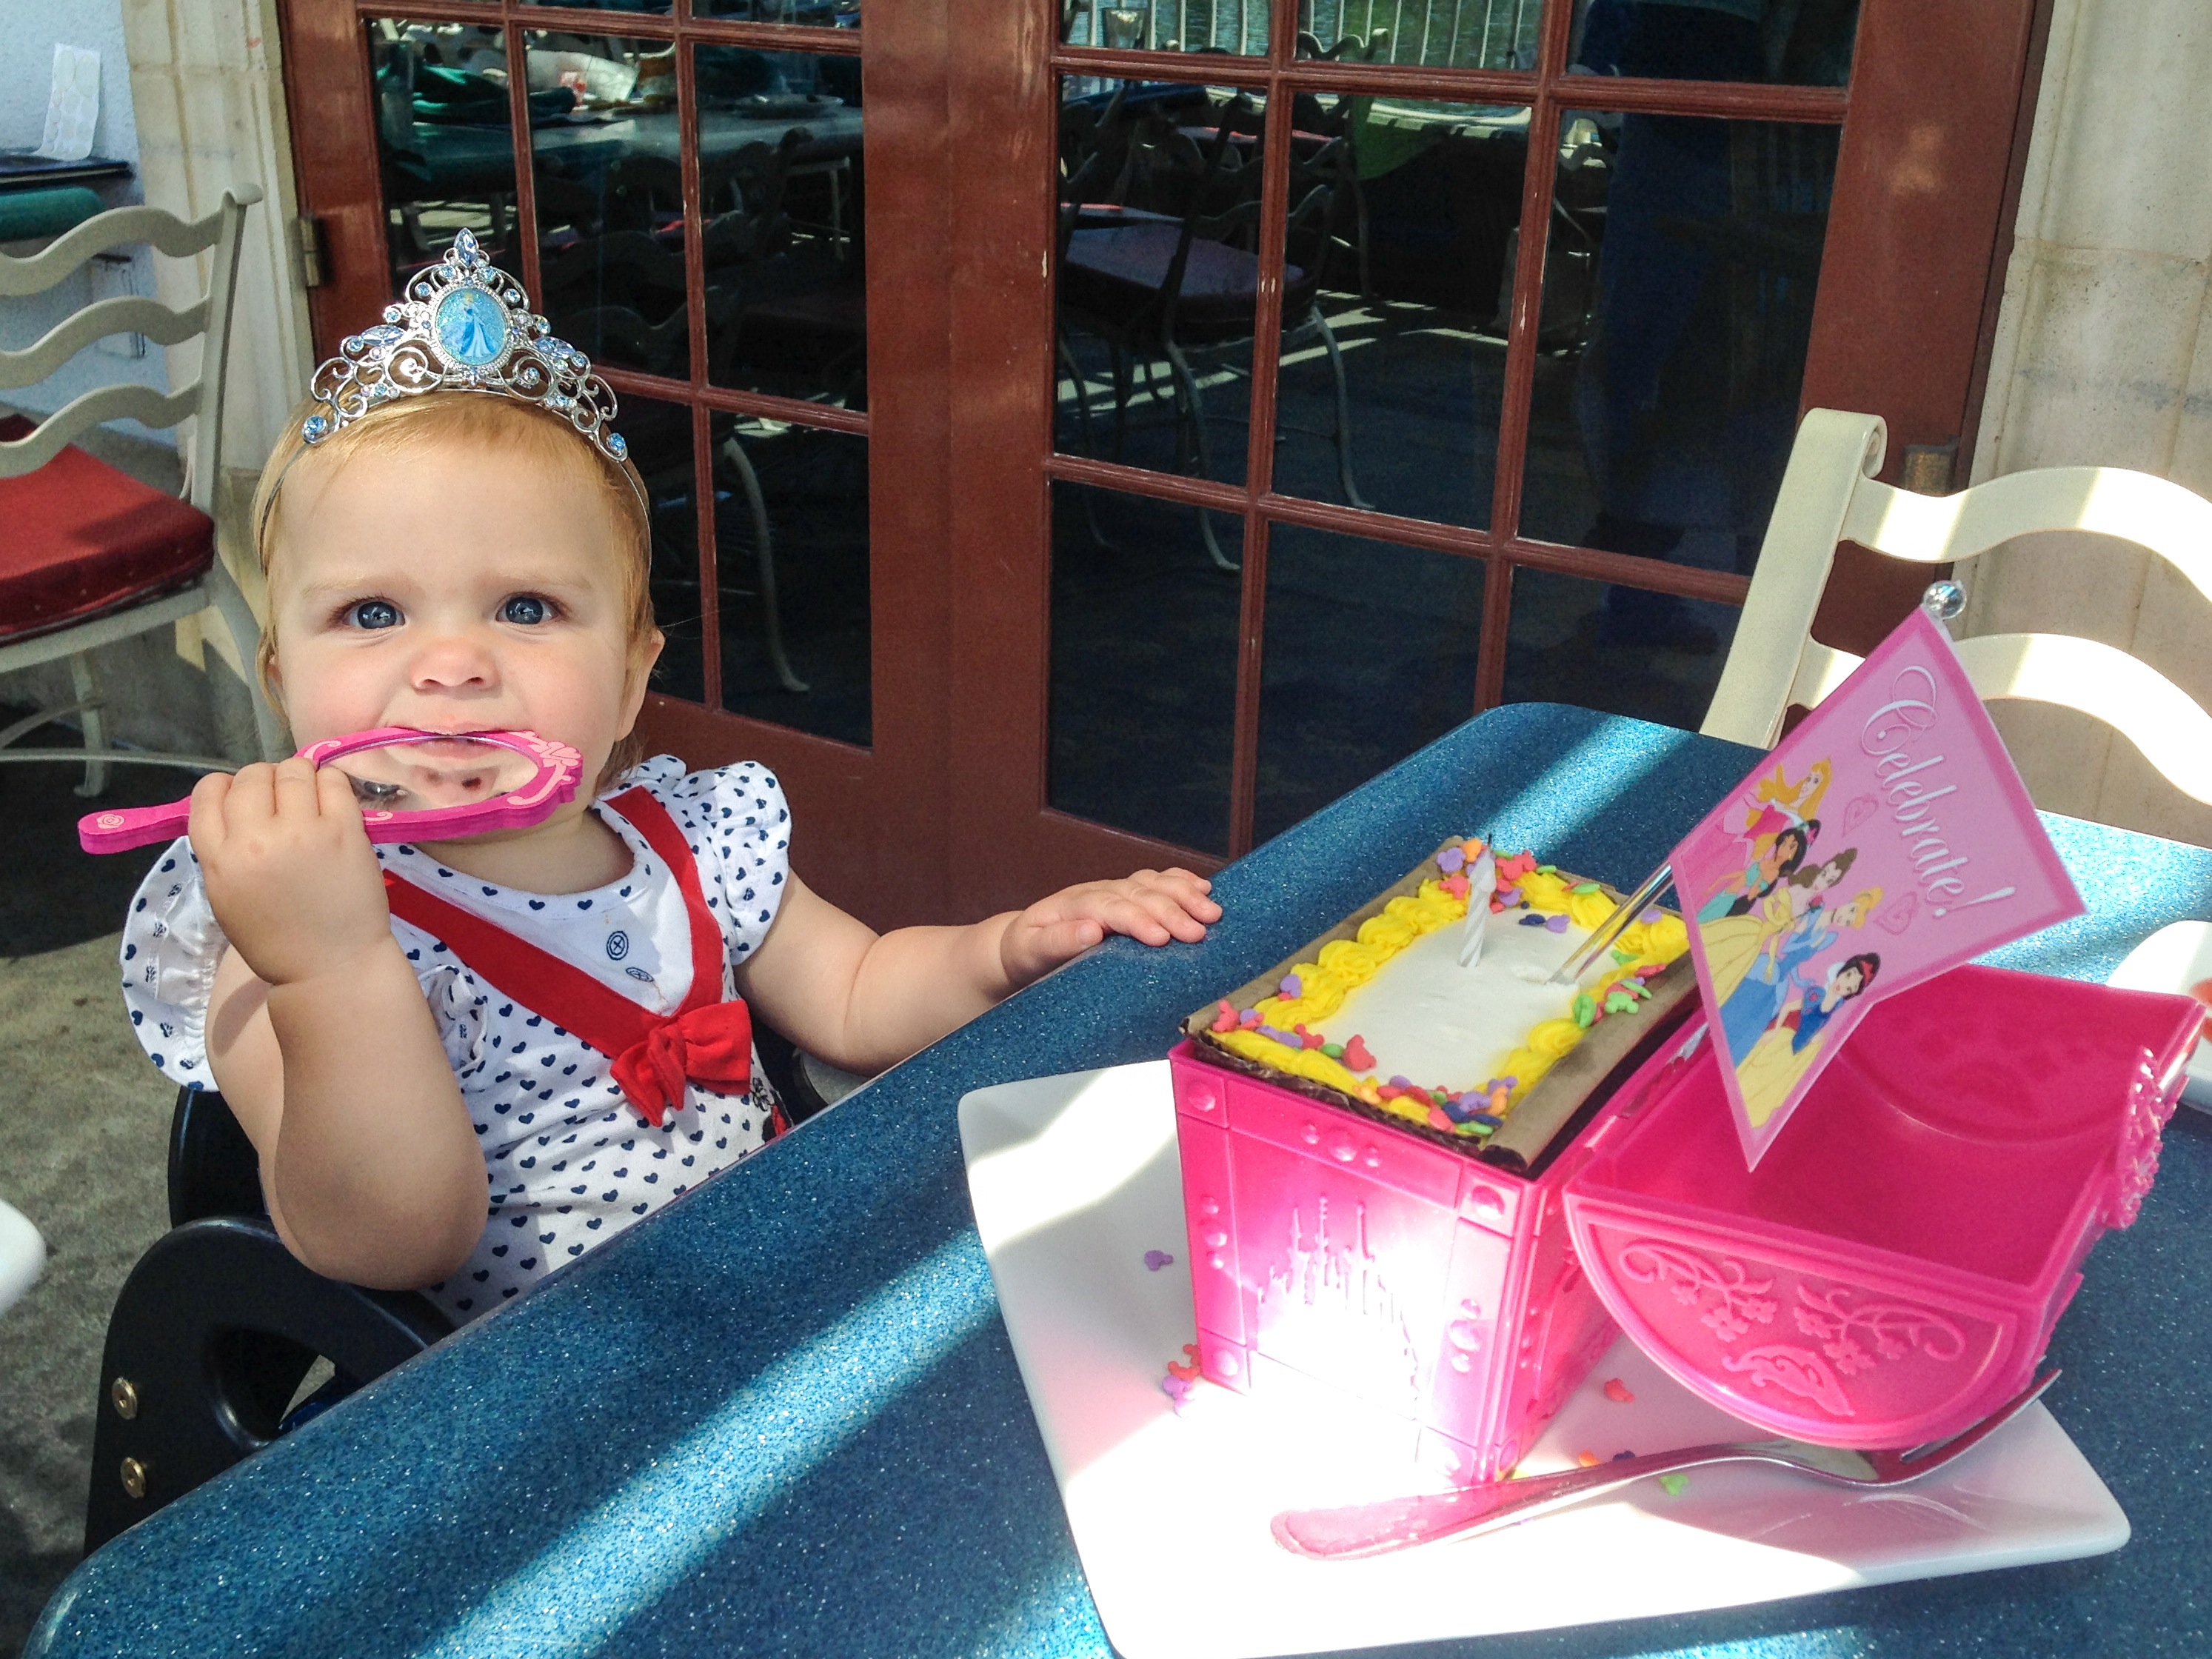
<point>1892,1269</point>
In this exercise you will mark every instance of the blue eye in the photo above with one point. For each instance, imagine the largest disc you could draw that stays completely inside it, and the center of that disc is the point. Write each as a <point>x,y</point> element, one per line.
<point>374,613</point>
<point>525,610</point>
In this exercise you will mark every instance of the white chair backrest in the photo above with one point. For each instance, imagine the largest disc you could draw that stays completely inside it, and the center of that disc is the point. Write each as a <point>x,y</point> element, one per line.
<point>1829,494</point>
<point>130,314</point>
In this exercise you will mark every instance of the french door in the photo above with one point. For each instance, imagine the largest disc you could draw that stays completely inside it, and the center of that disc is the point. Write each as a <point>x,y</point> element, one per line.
<point>1086,432</point>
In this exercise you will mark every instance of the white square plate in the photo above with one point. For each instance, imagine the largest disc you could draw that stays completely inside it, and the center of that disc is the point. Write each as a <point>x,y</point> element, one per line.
<point>1074,1181</point>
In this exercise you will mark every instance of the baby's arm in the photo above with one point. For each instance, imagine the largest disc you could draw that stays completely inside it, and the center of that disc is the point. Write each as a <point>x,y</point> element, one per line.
<point>864,1001</point>
<point>321,1041</point>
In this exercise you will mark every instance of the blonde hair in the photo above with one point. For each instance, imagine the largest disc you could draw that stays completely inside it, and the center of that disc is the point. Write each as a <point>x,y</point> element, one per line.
<point>502,425</point>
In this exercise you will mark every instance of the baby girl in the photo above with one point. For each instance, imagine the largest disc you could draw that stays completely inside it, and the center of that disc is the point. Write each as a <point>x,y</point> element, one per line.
<point>455,542</point>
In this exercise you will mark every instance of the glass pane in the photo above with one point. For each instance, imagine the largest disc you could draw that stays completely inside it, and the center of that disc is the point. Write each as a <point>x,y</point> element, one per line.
<point>820,14</point>
<point>610,189</point>
<point>1370,652</point>
<point>1493,35</point>
<point>660,438</point>
<point>1665,405</point>
<point>1621,650</point>
<point>607,5</point>
<point>1237,26</point>
<point>780,176</point>
<point>1397,286</point>
<point>1144,665</point>
<point>1157,274</point>
<point>1805,43</point>
<point>445,140</point>
<point>791,539</point>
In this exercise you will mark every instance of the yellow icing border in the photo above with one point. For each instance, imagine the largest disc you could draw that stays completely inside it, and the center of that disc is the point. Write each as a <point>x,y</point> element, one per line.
<point>1344,965</point>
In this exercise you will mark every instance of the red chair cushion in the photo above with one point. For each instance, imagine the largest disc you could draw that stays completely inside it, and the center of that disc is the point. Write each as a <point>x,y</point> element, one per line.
<point>79,539</point>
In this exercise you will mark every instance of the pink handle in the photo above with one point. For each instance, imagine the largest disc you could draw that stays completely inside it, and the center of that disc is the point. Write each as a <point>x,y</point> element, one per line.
<point>119,829</point>
<point>553,786</point>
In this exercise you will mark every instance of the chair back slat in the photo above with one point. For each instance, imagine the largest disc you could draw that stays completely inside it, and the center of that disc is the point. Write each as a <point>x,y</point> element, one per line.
<point>125,227</point>
<point>123,314</point>
<point>108,403</point>
<point>218,234</point>
<point>2104,501</point>
<point>1829,494</point>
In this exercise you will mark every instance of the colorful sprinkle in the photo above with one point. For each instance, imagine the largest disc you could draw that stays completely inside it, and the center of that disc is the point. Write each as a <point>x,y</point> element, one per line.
<point>1623,1457</point>
<point>1586,887</point>
<point>1226,1020</point>
<point>1452,860</point>
<point>1619,1002</point>
<point>1654,913</point>
<point>1456,885</point>
<point>1356,1057</point>
<point>1292,988</point>
<point>1333,1050</point>
<point>1533,920</point>
<point>1675,1483</point>
<point>1181,1379</point>
<point>1585,1009</point>
<point>1618,1392</point>
<point>1250,1018</point>
<point>1558,924</point>
<point>1311,1039</point>
<point>1587,1459</point>
<point>1156,1260</point>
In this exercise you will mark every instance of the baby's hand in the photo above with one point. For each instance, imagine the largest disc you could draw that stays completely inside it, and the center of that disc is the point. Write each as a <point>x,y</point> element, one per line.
<point>290,873</point>
<point>1153,906</point>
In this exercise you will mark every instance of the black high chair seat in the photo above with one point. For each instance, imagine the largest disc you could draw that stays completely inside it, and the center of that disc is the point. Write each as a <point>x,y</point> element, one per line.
<point>217,1326</point>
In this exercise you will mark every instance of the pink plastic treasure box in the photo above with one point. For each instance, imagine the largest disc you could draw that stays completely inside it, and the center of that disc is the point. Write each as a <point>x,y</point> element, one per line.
<point>1892,1270</point>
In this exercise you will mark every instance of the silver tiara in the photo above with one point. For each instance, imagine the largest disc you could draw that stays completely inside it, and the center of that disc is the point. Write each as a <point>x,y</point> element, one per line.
<point>465,325</point>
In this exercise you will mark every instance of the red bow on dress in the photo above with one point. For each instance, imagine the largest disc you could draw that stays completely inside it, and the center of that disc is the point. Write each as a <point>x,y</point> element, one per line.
<point>654,1057</point>
<point>712,1045</point>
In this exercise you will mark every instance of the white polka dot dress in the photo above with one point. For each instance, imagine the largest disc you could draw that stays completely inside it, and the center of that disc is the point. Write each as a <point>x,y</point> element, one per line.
<point>569,1161</point>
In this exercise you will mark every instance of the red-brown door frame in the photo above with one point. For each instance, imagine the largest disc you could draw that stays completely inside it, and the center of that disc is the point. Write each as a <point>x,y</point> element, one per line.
<point>1935,130</point>
<point>945,815</point>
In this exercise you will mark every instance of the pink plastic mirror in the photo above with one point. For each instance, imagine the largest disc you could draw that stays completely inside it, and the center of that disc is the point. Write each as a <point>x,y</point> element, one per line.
<point>412,786</point>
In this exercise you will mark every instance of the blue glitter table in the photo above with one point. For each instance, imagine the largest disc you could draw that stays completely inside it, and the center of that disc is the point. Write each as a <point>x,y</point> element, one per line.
<point>780,1417</point>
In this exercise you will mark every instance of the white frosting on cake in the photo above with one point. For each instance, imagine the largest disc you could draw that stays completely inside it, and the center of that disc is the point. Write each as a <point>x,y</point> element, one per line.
<point>1438,1025</point>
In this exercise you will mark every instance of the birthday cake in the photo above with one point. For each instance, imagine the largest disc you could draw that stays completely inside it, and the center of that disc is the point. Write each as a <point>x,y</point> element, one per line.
<point>1403,1011</point>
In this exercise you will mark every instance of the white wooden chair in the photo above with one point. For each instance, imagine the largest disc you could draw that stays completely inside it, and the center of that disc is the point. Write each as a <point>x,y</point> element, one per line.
<point>1829,494</point>
<point>88,556</point>
<point>22,1256</point>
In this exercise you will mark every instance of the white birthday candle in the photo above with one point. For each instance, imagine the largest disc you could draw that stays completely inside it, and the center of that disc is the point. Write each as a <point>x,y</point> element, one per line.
<point>1481,882</point>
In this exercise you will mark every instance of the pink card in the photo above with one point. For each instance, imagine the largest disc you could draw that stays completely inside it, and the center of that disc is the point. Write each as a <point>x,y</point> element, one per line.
<point>1885,840</point>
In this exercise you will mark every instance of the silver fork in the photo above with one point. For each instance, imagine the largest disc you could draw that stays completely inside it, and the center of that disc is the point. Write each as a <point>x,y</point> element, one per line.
<point>1356,1530</point>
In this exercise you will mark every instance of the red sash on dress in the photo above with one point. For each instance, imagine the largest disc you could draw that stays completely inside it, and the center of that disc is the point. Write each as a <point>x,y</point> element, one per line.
<point>654,1056</point>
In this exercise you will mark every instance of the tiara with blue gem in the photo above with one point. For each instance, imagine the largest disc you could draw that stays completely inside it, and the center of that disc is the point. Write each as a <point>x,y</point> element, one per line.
<point>465,325</point>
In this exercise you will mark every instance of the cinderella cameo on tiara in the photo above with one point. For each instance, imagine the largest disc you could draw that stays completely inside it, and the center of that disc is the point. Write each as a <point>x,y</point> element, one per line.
<point>465,325</point>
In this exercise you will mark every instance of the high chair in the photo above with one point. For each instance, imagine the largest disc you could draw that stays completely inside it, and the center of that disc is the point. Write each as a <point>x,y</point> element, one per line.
<point>92,556</point>
<point>1829,494</point>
